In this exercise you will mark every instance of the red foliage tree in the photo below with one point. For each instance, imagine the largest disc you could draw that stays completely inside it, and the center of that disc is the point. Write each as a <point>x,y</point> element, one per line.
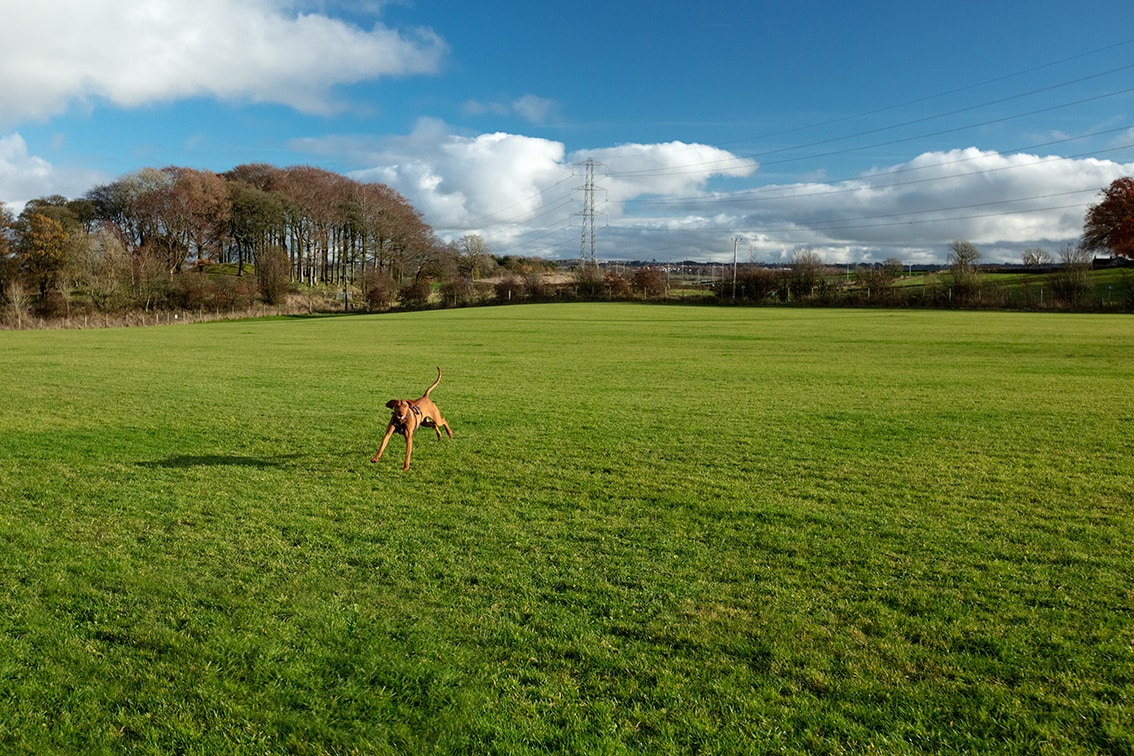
<point>1109,225</point>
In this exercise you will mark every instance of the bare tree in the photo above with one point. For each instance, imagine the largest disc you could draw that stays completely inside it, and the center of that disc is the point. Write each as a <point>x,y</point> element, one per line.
<point>963,260</point>
<point>807,272</point>
<point>19,302</point>
<point>588,280</point>
<point>1036,257</point>
<point>1072,282</point>
<point>475,257</point>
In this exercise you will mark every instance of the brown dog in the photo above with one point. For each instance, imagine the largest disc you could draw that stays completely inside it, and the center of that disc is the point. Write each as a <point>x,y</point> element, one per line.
<point>411,414</point>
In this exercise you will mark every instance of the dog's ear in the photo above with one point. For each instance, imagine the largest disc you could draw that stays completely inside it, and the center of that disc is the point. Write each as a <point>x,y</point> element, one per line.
<point>392,403</point>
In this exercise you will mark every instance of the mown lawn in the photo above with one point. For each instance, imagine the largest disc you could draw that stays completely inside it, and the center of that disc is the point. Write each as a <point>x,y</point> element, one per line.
<point>658,529</point>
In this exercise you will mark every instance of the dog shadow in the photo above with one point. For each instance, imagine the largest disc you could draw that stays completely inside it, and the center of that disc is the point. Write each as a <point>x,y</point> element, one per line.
<point>186,461</point>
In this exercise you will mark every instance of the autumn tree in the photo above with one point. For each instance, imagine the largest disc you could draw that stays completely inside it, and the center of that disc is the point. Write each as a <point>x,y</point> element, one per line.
<point>8,261</point>
<point>314,198</point>
<point>329,228</point>
<point>1109,225</point>
<point>617,284</point>
<point>112,272</point>
<point>256,222</point>
<point>43,249</point>
<point>204,204</point>
<point>127,204</point>
<point>651,281</point>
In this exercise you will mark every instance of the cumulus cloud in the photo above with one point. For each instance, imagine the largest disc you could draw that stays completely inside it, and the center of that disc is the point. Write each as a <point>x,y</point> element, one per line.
<point>505,185</point>
<point>54,53</point>
<point>1004,203</point>
<point>466,182</point>
<point>658,202</point>
<point>24,176</point>
<point>982,196</point>
<point>670,169</point>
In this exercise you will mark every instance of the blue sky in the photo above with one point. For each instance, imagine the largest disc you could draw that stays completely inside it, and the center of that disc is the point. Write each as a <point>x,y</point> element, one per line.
<point>864,131</point>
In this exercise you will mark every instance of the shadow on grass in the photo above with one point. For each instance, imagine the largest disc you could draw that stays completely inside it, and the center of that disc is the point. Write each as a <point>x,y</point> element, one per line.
<point>185,461</point>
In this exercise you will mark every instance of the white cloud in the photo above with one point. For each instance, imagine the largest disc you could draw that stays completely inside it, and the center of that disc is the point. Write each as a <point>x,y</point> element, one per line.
<point>24,177</point>
<point>534,109</point>
<point>671,169</point>
<point>507,185</point>
<point>531,108</point>
<point>912,211</point>
<point>131,52</point>
<point>524,195</point>
<point>462,182</point>
<point>984,197</point>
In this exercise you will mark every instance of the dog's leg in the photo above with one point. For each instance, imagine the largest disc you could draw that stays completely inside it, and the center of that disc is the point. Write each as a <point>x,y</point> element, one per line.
<point>435,421</point>
<point>385,440</point>
<point>409,447</point>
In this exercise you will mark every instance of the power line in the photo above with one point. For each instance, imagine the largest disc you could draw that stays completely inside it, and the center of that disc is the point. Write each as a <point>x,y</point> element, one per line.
<point>782,192</point>
<point>701,167</point>
<point>938,95</point>
<point>587,235</point>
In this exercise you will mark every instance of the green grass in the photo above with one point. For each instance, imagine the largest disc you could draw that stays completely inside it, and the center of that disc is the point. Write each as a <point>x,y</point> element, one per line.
<point>658,529</point>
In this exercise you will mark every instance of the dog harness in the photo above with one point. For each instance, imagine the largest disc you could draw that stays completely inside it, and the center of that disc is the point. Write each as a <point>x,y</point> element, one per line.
<point>404,426</point>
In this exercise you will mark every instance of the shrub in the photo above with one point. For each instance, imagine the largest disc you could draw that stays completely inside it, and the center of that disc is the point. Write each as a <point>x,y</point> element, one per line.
<point>52,305</point>
<point>273,275</point>
<point>1071,284</point>
<point>617,285</point>
<point>511,289</point>
<point>588,281</point>
<point>378,288</point>
<point>417,294</point>
<point>752,284</point>
<point>536,286</point>
<point>456,292</point>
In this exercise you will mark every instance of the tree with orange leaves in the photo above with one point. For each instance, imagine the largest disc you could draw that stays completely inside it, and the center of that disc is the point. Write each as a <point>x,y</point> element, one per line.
<point>44,249</point>
<point>1109,225</point>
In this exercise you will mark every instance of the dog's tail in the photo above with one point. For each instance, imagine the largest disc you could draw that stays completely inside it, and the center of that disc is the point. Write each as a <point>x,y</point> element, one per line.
<point>435,382</point>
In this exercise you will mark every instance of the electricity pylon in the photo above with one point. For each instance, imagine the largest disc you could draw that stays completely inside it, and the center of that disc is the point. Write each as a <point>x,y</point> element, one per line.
<point>587,256</point>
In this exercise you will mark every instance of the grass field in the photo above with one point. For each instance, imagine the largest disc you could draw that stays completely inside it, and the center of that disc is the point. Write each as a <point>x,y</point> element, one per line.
<point>658,529</point>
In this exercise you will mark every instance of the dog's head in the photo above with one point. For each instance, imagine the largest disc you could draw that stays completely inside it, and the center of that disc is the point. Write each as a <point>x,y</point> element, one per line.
<point>401,409</point>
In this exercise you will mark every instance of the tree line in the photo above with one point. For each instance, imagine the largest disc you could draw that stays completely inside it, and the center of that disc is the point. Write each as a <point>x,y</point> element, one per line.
<point>1039,282</point>
<point>125,243</point>
<point>129,245</point>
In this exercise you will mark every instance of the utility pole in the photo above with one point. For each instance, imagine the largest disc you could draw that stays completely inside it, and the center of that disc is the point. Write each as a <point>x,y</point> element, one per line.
<point>735,241</point>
